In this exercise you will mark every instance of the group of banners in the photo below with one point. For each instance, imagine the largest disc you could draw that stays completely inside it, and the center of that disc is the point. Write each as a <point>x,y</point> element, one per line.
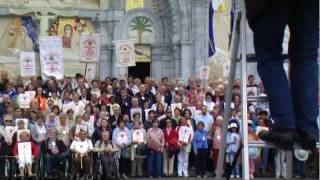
<point>51,56</point>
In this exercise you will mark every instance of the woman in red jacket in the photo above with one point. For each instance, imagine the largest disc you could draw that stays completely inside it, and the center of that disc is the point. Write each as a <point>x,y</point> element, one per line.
<point>20,151</point>
<point>171,146</point>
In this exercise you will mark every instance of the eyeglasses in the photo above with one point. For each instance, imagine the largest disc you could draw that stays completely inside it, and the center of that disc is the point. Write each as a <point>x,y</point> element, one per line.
<point>169,111</point>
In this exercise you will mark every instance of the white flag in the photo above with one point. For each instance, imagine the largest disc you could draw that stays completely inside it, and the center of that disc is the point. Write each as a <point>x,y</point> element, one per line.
<point>51,56</point>
<point>90,47</point>
<point>90,72</point>
<point>27,64</point>
<point>125,53</point>
<point>204,72</point>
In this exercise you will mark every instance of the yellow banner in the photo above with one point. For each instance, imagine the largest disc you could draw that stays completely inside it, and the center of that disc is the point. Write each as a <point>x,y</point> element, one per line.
<point>134,4</point>
<point>142,53</point>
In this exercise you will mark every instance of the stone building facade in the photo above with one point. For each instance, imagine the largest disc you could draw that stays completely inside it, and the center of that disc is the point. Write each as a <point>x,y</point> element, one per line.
<point>180,44</point>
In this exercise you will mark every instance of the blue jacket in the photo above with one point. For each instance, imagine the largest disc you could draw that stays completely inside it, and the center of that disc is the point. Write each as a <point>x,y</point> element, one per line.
<point>200,140</point>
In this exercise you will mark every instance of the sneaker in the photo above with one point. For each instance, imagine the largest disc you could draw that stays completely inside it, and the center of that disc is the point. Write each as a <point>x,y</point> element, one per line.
<point>198,176</point>
<point>281,139</point>
<point>251,176</point>
<point>124,176</point>
<point>232,176</point>
<point>238,176</point>
<point>204,176</point>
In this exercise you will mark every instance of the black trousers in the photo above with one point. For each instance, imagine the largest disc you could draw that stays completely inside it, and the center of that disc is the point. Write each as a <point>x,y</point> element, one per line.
<point>201,161</point>
<point>124,166</point>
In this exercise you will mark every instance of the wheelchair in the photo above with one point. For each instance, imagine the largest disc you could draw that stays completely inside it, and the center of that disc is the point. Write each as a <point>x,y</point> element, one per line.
<point>98,172</point>
<point>76,175</point>
<point>12,169</point>
<point>57,173</point>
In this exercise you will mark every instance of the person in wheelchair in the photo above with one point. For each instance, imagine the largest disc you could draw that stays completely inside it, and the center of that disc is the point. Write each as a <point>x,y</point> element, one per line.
<point>107,150</point>
<point>54,152</point>
<point>21,151</point>
<point>81,148</point>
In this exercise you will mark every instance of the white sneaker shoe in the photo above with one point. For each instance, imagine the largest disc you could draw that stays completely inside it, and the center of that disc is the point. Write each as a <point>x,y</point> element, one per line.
<point>232,176</point>
<point>251,176</point>
<point>238,176</point>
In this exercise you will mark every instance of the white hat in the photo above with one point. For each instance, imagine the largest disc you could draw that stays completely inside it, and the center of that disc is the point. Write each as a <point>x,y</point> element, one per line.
<point>233,125</point>
<point>301,155</point>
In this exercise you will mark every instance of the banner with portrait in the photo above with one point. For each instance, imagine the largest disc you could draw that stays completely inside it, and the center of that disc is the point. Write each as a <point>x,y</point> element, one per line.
<point>51,56</point>
<point>27,64</point>
<point>125,53</point>
<point>90,47</point>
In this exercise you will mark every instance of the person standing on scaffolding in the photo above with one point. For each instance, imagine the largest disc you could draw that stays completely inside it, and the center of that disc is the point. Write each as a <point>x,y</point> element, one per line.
<point>294,107</point>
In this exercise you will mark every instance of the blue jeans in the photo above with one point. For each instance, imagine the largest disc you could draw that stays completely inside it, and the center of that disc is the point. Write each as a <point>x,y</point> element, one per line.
<point>154,162</point>
<point>294,106</point>
<point>264,160</point>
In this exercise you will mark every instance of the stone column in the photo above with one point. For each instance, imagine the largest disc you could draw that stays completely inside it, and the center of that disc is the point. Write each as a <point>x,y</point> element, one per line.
<point>186,59</point>
<point>156,63</point>
<point>200,22</point>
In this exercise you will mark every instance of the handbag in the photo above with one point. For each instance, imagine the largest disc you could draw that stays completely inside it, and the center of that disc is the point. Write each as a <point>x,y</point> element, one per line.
<point>141,150</point>
<point>125,153</point>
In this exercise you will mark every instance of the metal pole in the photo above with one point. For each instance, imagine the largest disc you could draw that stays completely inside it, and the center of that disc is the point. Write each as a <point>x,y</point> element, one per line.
<point>234,52</point>
<point>245,154</point>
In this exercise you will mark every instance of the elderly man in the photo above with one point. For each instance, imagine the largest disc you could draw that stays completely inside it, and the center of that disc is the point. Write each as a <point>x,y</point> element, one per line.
<point>55,152</point>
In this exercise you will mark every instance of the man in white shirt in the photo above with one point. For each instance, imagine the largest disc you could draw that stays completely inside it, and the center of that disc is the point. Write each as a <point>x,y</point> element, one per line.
<point>81,148</point>
<point>76,105</point>
<point>206,118</point>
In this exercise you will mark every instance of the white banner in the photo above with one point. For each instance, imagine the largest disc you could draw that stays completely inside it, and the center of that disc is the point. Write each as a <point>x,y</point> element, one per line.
<point>51,56</point>
<point>90,47</point>
<point>204,72</point>
<point>125,53</point>
<point>27,64</point>
<point>90,72</point>
<point>24,101</point>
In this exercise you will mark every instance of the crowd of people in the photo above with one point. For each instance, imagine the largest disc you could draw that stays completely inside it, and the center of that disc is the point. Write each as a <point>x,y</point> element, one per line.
<point>133,128</point>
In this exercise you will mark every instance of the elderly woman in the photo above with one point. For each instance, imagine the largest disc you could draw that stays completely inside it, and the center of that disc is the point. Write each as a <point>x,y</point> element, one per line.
<point>39,131</point>
<point>63,129</point>
<point>185,136</point>
<point>107,151</point>
<point>121,137</point>
<point>138,148</point>
<point>27,160</point>
<point>155,145</point>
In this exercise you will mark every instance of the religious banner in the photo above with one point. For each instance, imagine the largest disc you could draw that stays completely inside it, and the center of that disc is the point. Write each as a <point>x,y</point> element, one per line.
<point>24,120</point>
<point>24,101</point>
<point>134,111</point>
<point>27,64</point>
<point>24,150</point>
<point>137,136</point>
<point>89,47</point>
<point>122,137</point>
<point>90,72</point>
<point>32,94</point>
<point>175,105</point>
<point>184,134</point>
<point>204,72</point>
<point>51,57</point>
<point>125,53</point>
<point>9,130</point>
